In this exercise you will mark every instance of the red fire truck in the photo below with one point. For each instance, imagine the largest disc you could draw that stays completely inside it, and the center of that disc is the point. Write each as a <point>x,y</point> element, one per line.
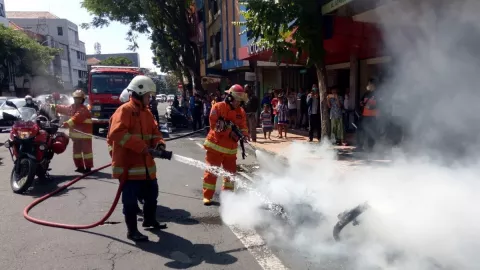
<point>105,85</point>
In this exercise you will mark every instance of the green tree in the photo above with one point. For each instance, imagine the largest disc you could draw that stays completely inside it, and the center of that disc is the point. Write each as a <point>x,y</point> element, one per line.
<point>274,23</point>
<point>168,23</point>
<point>116,61</point>
<point>26,55</point>
<point>161,86</point>
<point>171,82</point>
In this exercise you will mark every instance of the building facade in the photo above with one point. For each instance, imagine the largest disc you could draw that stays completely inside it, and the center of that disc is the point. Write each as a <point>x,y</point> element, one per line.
<point>3,17</point>
<point>71,66</point>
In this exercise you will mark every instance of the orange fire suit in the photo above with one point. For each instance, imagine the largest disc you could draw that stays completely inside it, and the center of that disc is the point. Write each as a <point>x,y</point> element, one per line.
<point>221,148</point>
<point>81,120</point>
<point>132,129</point>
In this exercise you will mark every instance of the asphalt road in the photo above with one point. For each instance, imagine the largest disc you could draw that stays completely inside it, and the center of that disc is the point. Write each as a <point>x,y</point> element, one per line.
<point>195,238</point>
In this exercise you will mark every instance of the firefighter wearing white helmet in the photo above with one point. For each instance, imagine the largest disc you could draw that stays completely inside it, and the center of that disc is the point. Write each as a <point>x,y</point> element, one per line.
<point>131,133</point>
<point>80,125</point>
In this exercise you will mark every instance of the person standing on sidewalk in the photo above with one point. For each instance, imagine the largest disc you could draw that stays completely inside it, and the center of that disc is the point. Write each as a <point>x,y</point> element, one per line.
<point>251,109</point>
<point>207,106</point>
<point>367,128</point>
<point>197,112</point>
<point>292,108</point>
<point>335,104</point>
<point>303,109</point>
<point>313,104</point>
<point>154,109</point>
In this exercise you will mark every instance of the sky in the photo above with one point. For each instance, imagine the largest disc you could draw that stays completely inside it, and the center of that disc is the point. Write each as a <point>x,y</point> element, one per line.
<point>111,38</point>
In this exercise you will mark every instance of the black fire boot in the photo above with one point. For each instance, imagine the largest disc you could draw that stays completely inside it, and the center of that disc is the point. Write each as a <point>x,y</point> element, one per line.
<point>80,170</point>
<point>150,217</point>
<point>133,233</point>
<point>87,170</point>
<point>139,211</point>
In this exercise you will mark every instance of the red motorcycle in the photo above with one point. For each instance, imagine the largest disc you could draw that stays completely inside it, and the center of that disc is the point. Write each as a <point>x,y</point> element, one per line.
<point>34,139</point>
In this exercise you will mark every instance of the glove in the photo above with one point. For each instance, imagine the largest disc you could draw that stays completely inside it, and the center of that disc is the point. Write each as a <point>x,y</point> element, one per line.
<point>221,125</point>
<point>160,147</point>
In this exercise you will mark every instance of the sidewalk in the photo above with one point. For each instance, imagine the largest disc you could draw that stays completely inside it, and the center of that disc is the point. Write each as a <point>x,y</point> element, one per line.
<point>280,147</point>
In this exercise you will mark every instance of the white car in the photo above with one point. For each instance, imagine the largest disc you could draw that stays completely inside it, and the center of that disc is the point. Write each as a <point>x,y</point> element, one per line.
<point>161,97</point>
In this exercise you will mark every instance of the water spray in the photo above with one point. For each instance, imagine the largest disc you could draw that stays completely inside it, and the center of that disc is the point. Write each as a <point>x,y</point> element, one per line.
<point>163,154</point>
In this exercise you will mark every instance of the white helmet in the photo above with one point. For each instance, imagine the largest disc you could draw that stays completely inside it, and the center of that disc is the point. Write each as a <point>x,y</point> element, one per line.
<point>124,96</point>
<point>141,85</point>
<point>28,97</point>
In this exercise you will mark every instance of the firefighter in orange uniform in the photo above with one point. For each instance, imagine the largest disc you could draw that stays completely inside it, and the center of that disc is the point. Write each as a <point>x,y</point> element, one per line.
<point>81,120</point>
<point>132,132</point>
<point>221,143</point>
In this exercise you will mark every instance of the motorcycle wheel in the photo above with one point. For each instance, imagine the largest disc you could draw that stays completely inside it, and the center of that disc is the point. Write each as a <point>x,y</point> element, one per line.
<point>23,180</point>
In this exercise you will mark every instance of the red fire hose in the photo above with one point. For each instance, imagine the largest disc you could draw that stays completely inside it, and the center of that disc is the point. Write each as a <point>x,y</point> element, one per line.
<point>68,226</point>
<point>110,211</point>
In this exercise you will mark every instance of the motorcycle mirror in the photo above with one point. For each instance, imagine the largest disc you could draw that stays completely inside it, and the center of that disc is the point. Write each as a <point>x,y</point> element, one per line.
<point>11,104</point>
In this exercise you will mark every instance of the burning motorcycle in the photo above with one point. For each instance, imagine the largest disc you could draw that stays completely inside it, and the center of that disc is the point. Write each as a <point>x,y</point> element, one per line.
<point>34,139</point>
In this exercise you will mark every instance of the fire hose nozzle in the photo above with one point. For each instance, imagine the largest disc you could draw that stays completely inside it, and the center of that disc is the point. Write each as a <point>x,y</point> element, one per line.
<point>163,154</point>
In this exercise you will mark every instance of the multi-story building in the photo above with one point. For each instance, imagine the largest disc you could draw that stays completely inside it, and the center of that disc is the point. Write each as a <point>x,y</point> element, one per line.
<point>60,33</point>
<point>3,18</point>
<point>223,49</point>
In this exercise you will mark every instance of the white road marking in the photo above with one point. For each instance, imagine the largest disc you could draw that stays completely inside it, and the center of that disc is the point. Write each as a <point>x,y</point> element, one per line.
<point>246,176</point>
<point>254,242</point>
<point>258,248</point>
<point>191,139</point>
<point>199,144</point>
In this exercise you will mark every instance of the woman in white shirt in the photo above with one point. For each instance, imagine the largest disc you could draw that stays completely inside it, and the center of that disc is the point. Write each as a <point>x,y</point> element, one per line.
<point>292,108</point>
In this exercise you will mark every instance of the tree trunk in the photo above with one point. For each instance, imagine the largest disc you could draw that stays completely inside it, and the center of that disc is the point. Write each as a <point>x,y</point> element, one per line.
<point>197,81</point>
<point>322,87</point>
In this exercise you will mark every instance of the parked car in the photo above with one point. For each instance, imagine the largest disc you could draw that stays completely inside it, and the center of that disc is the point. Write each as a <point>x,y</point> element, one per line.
<point>6,124</point>
<point>161,98</point>
<point>170,98</point>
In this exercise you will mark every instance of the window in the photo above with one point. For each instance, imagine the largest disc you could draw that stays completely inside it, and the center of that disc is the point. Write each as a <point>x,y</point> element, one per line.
<point>113,83</point>
<point>79,55</point>
<point>60,31</point>
<point>80,74</point>
<point>76,37</point>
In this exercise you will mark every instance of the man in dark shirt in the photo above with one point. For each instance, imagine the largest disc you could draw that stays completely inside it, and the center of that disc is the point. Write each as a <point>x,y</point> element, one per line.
<point>154,109</point>
<point>251,108</point>
<point>197,112</point>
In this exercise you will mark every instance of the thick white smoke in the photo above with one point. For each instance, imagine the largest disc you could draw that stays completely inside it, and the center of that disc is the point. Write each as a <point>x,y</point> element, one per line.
<point>424,210</point>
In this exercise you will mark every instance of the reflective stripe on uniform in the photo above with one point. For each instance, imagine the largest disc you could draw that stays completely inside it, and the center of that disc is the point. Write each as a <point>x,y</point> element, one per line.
<point>228,184</point>
<point>88,121</point>
<point>117,170</point>
<point>219,148</point>
<point>141,170</point>
<point>70,123</point>
<point>209,186</point>
<point>88,156</point>
<point>244,129</point>
<point>125,138</point>
<point>78,135</point>
<point>77,155</point>
<point>109,148</point>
